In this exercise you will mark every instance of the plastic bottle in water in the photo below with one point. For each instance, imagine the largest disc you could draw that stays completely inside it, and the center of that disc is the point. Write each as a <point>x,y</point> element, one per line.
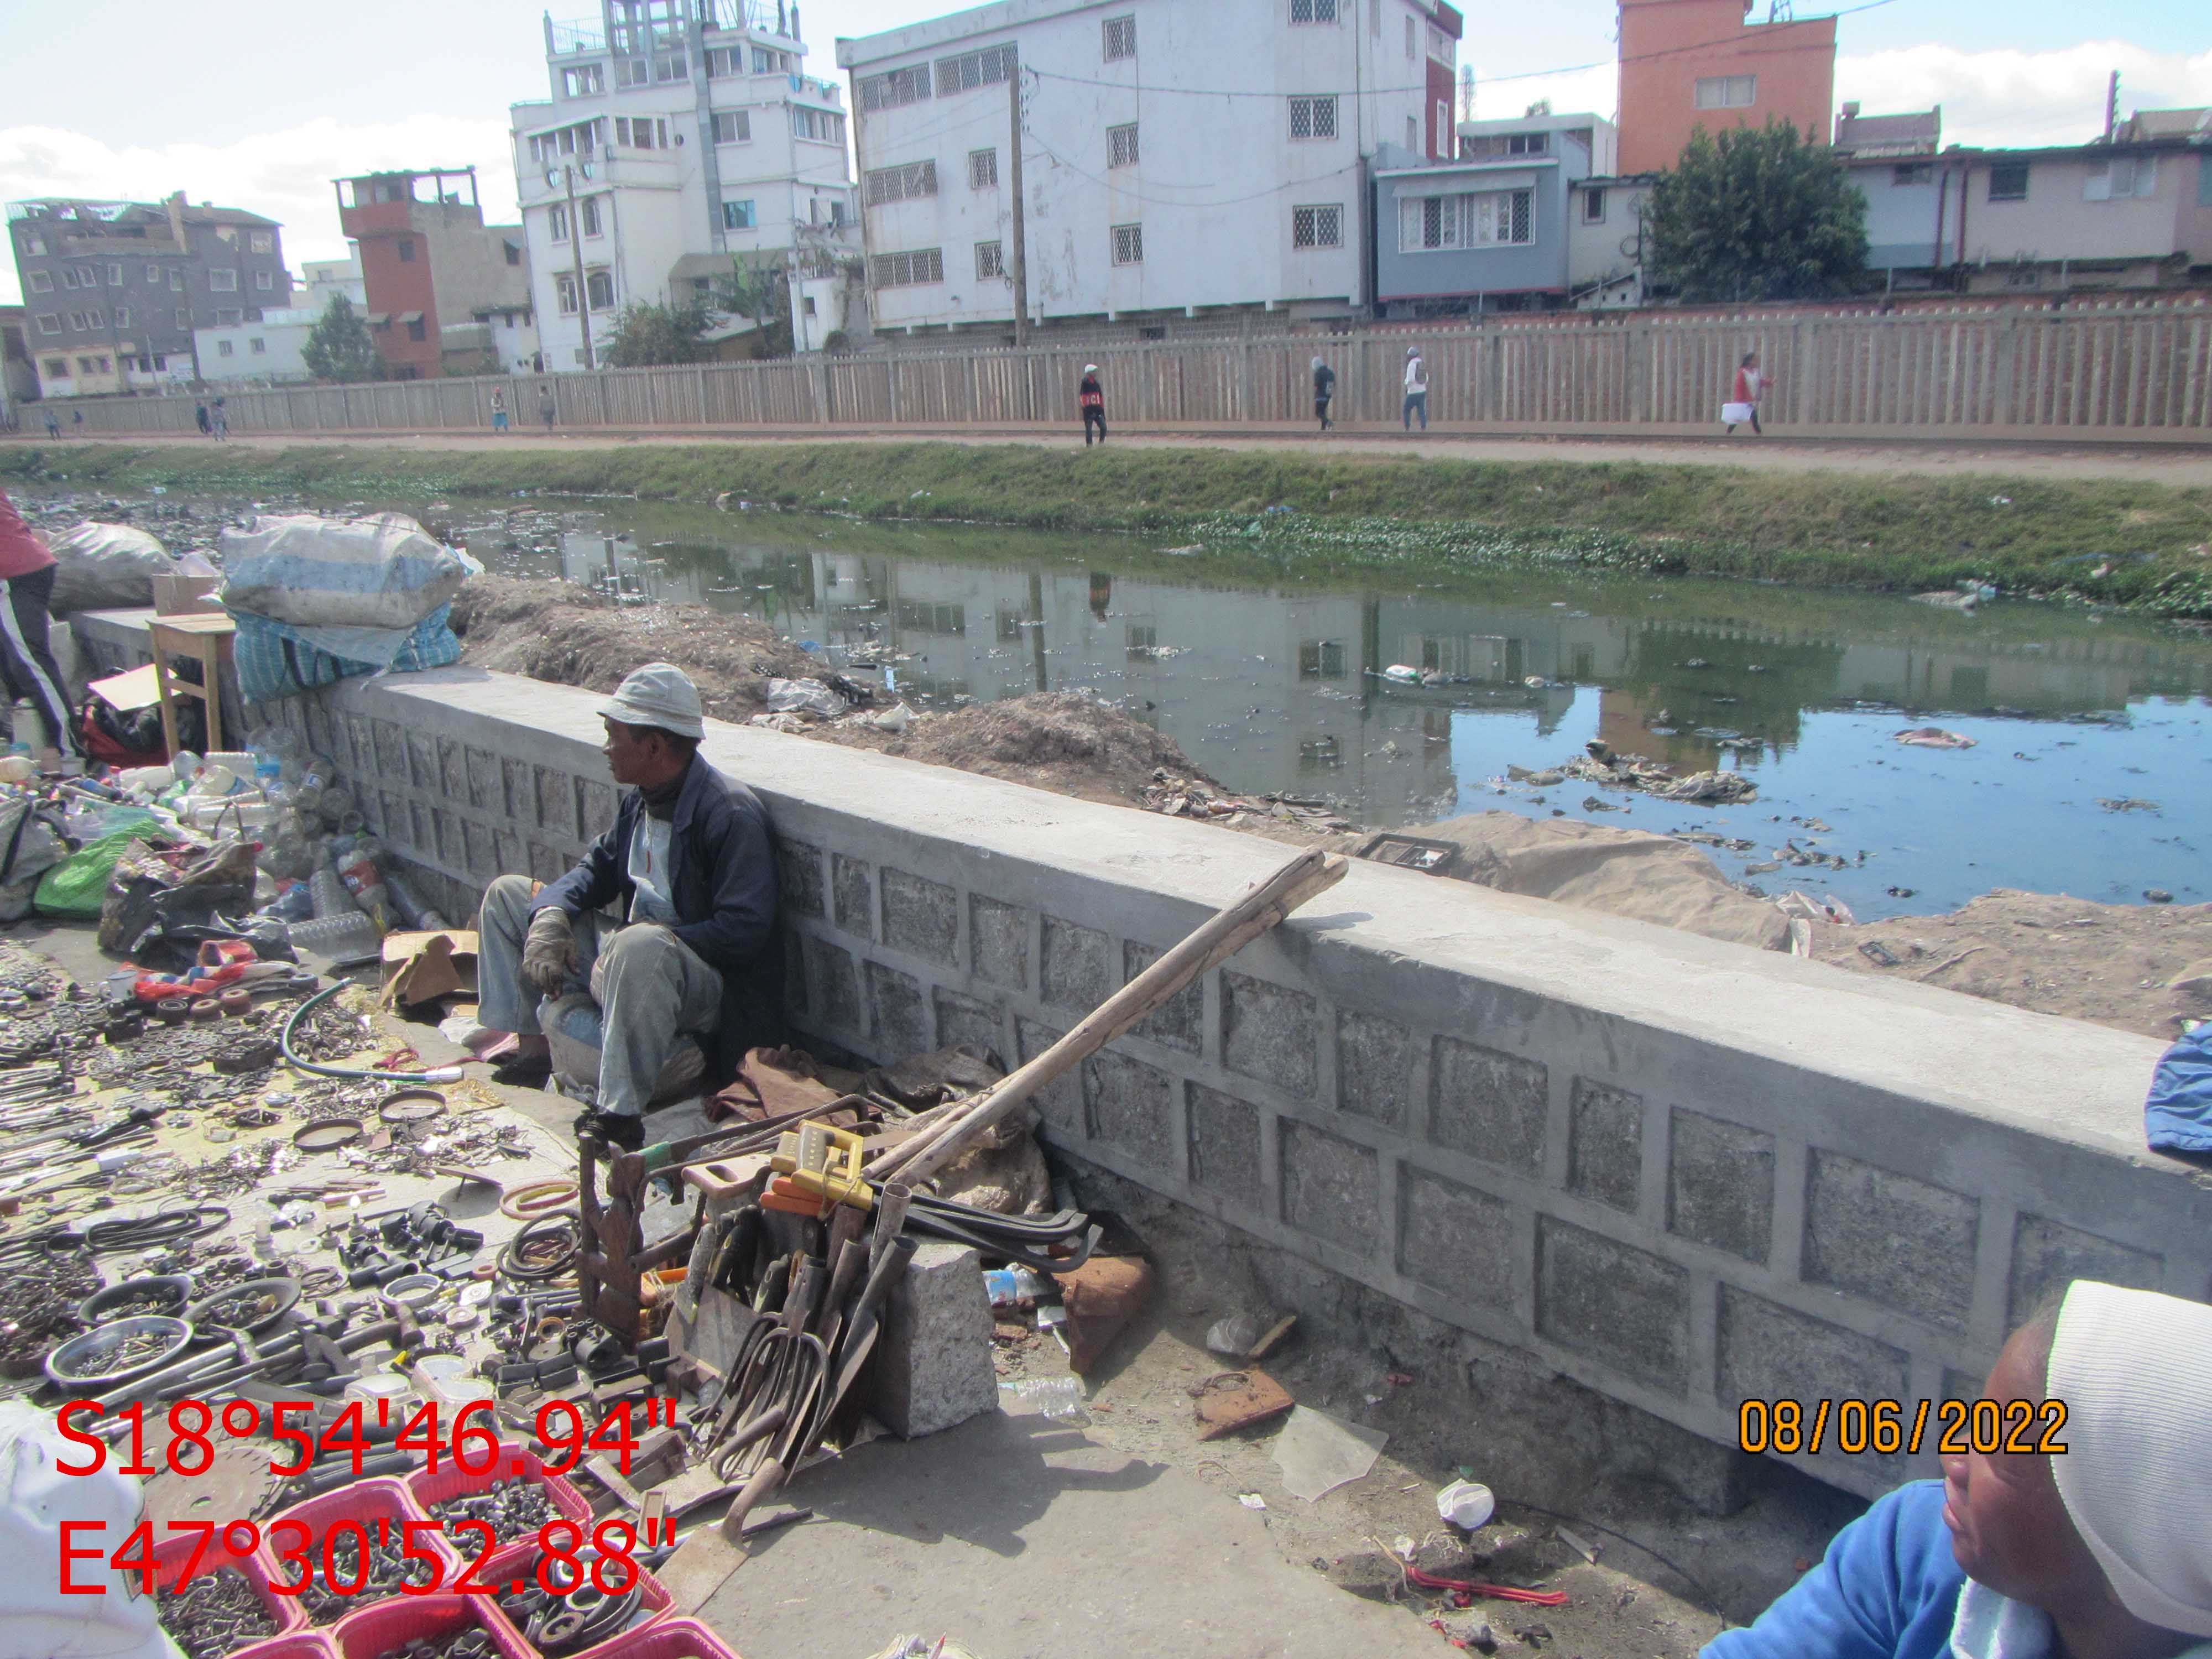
<point>1055,1396</point>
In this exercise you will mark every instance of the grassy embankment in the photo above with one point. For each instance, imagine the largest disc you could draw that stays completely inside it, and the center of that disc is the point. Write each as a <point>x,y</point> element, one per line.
<point>2114,542</point>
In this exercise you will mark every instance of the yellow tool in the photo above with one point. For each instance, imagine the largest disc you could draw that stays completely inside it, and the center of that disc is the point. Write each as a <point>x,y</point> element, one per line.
<point>823,1164</point>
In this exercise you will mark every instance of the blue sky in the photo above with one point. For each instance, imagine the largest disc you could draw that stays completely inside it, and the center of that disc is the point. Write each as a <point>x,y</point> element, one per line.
<point>262,114</point>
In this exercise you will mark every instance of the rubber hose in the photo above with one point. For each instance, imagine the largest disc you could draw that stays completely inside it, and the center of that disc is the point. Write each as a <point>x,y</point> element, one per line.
<point>443,1074</point>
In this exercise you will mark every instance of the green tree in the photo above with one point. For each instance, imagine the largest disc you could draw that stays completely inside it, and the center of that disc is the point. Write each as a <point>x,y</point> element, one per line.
<point>759,289</point>
<point>646,336</point>
<point>339,347</point>
<point>1756,213</point>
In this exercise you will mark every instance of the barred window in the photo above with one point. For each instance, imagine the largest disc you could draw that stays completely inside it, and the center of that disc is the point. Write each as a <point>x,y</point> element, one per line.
<point>982,169</point>
<point>1122,146</point>
<point>817,124</point>
<point>1128,245</point>
<point>898,88</point>
<point>1313,12</point>
<point>992,66</point>
<point>1486,219</point>
<point>1313,118</point>
<point>1317,226</point>
<point>733,127</point>
<point>990,262</point>
<point>1121,37</point>
<point>902,184</point>
<point>924,264</point>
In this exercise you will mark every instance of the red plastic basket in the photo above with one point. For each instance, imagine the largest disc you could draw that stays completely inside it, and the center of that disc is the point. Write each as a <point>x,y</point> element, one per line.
<point>521,1561</point>
<point>301,1644</point>
<point>367,1502</point>
<point>169,1561</point>
<point>668,1638</point>
<point>389,1625</point>
<point>514,1459</point>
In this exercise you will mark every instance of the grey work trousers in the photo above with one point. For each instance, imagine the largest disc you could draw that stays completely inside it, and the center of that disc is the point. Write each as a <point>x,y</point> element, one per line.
<point>652,988</point>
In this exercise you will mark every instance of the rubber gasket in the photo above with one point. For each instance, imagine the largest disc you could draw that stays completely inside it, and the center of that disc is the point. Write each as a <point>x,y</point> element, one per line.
<point>411,1106</point>
<point>536,1198</point>
<point>327,1135</point>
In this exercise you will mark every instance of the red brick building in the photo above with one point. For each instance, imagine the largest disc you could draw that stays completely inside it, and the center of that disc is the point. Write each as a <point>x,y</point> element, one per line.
<point>431,268</point>
<point>1688,64</point>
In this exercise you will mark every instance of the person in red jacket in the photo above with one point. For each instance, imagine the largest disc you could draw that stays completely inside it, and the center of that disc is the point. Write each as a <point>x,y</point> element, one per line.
<point>1092,397</point>
<point>1743,397</point>
<point>27,583</point>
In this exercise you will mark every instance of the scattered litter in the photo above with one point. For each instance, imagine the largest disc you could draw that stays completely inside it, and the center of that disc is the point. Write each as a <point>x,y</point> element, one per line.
<point>1467,1505</point>
<point>1251,1500</point>
<point>1579,1545</point>
<point>1238,1400</point>
<point>2127,803</point>
<point>1318,1453</point>
<point>1935,737</point>
<point>1233,1338</point>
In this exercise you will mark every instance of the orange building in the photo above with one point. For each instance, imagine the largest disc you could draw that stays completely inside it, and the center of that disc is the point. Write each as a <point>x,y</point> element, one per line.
<point>1692,63</point>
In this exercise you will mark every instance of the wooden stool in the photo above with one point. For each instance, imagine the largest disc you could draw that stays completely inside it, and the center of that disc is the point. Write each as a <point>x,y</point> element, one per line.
<point>207,640</point>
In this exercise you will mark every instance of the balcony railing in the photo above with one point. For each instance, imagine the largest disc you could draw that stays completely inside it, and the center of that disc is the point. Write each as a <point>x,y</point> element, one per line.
<point>576,38</point>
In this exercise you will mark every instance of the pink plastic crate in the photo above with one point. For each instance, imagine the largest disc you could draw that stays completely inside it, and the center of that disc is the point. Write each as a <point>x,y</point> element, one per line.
<point>301,1644</point>
<point>169,1561</point>
<point>388,1626</point>
<point>521,1561</point>
<point>448,1482</point>
<point>668,1638</point>
<point>367,1502</point>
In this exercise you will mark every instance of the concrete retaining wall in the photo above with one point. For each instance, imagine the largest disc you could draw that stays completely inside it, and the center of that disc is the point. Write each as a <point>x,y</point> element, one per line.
<point>1682,1172</point>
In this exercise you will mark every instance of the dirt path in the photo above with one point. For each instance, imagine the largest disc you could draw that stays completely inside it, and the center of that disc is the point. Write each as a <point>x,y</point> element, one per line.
<point>2180,466</point>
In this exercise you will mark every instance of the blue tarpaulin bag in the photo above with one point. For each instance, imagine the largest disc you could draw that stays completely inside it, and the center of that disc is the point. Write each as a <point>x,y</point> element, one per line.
<point>2179,1113</point>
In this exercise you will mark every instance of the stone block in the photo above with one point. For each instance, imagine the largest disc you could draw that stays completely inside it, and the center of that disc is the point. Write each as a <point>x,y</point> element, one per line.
<point>2047,1255</point>
<point>1770,1352</point>
<point>920,917</point>
<point>1225,1144</point>
<point>506,851</point>
<point>1059,1102</point>
<point>1178,1023</point>
<point>1373,1067</point>
<point>1455,1239</point>
<point>1489,1104</point>
<point>363,741</point>
<point>478,858</point>
<point>1720,1184</point>
<point>396,823</point>
<point>1329,1186</point>
<point>798,878</point>
<point>1615,1303</point>
<point>1130,1106</point>
<point>1077,971</point>
<point>794,979</point>
<point>932,1366</point>
<point>895,1013</point>
<point>1269,1032</point>
<point>1605,1144</point>
<point>999,942</point>
<point>852,894</point>
<point>833,988</point>
<point>595,808</point>
<point>423,770</point>
<point>1897,1241</point>
<point>545,862</point>
<point>453,770</point>
<point>964,1019</point>
<point>518,791</point>
<point>390,748</point>
<point>556,800</point>
<point>423,830</point>
<point>446,836</point>
<point>487,784</point>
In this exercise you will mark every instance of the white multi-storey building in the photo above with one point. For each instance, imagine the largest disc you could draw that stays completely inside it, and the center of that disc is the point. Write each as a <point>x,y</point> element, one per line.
<point>1176,159</point>
<point>679,133</point>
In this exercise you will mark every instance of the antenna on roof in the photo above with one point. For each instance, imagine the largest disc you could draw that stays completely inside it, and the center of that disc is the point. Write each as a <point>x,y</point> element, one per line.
<point>2111,106</point>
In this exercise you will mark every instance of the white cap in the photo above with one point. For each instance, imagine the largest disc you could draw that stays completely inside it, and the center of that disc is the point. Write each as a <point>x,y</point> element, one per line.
<point>1091,368</point>
<point>658,695</point>
<point>1412,351</point>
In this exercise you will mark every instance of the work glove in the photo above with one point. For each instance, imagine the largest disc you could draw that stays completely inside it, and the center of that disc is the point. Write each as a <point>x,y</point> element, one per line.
<point>549,950</point>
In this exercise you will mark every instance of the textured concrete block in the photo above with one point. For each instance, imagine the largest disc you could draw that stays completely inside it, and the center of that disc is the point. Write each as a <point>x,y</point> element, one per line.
<point>487,785</point>
<point>895,1013</point>
<point>1180,1022</point>
<point>446,836</point>
<point>1899,1242</point>
<point>556,800</point>
<point>964,1019</point>
<point>1060,1101</point>
<point>1373,1067</point>
<point>1605,1144</point>
<point>1225,1144</point>
<point>518,791</point>
<point>798,876</point>
<point>1455,1239</point>
<point>545,862</point>
<point>480,856</point>
<point>794,979</point>
<point>1270,1032</point>
<point>507,852</point>
<point>1720,1184</point>
<point>1489,1104</point>
<point>389,746</point>
<point>423,827</point>
<point>1077,971</point>
<point>932,1365</point>
<point>2047,1255</point>
<point>1623,1306</point>
<point>1773,1352</point>
<point>921,917</point>
<point>833,988</point>
<point>999,942</point>
<point>422,769</point>
<point>1129,1105</point>
<point>852,894</point>
<point>1329,1186</point>
<point>453,770</point>
<point>394,821</point>
<point>595,808</point>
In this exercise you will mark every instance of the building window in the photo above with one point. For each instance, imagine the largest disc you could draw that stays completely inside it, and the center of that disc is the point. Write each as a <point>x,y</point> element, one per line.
<point>1494,218</point>
<point>514,252</point>
<point>1313,118</point>
<point>49,324</point>
<point>264,281</point>
<point>1442,48</point>
<point>161,364</point>
<point>1128,245</point>
<point>43,283</point>
<point>68,276</point>
<point>1313,12</point>
<point>1727,91</point>
<point>1594,205</point>
<point>2123,177</point>
<point>1321,659</point>
<point>123,316</point>
<point>1122,146</point>
<point>154,274</point>
<point>740,215</point>
<point>992,66</point>
<point>1413,132</point>
<point>95,318</point>
<point>564,293</point>
<point>2009,181</point>
<point>908,270</point>
<point>733,127</point>
<point>1317,226</point>
<point>58,368</point>
<point>262,241</point>
<point>723,62</point>
<point>633,72</point>
<point>176,282</point>
<point>640,133</point>
<point>990,262</point>
<point>417,329</point>
<point>902,184</point>
<point>1528,143</point>
<point>1413,42</point>
<point>599,288</point>
<point>895,89</point>
<point>258,346</point>
<point>557,222</point>
<point>115,276</point>
<point>818,125</point>
<point>1443,144</point>
<point>590,207</point>
<point>88,277</point>
<point>671,66</point>
<point>583,80</point>
<point>982,169</point>
<point>35,244</point>
<point>1121,37</point>
<point>76,322</point>
<point>226,282</point>
<point>766,60</point>
<point>1911,173</point>
<point>184,319</point>
<point>223,348</point>
<point>229,318</point>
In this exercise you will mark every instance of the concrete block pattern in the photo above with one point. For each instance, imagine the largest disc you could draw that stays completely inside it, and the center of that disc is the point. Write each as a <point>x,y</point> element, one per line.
<point>921,917</point>
<point>1225,1144</point>
<point>1767,1352</point>
<point>1077,970</point>
<point>932,1366</point>
<point>852,894</point>
<point>964,1019</point>
<point>1178,1023</point>
<point>390,747</point>
<point>486,779</point>
<point>595,808</point>
<point>798,876</point>
<point>545,863</point>
<point>453,771</point>
<point>445,835</point>
<point>1898,1242</point>
<point>2047,1255</point>
<point>1720,1184</point>
<point>1490,1104</point>
<point>506,854</point>
<point>518,791</point>
<point>833,988</point>
<point>1373,1067</point>
<point>395,818</point>
<point>794,979</point>
<point>1625,1307</point>
<point>1455,1239</point>
<point>1270,1032</point>
<point>422,769</point>
<point>1329,1186</point>
<point>1060,1101</point>
<point>1605,1144</point>
<point>556,800</point>
<point>999,943</point>
<point>1130,1105</point>
<point>896,1017</point>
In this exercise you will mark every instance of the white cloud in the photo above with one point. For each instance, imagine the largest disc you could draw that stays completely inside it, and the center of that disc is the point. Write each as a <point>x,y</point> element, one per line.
<point>1596,90</point>
<point>285,175</point>
<point>2023,98</point>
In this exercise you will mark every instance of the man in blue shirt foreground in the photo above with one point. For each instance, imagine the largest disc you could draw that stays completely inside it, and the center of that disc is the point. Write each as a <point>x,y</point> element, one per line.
<point>2102,1552</point>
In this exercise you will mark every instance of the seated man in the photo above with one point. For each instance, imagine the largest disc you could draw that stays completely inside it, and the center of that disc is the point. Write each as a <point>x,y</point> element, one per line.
<point>691,870</point>
<point>2102,1552</point>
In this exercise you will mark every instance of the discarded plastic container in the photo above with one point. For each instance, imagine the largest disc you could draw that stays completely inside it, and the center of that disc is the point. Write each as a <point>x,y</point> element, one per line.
<point>1009,1287</point>
<point>337,937</point>
<point>1467,1505</point>
<point>1055,1396</point>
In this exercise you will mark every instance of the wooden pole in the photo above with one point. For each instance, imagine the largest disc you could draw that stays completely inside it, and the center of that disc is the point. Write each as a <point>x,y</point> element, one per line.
<point>1020,272</point>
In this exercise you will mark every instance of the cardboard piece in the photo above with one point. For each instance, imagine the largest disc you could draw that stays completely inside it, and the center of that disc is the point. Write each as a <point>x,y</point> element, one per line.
<point>133,689</point>
<point>1237,1399</point>
<point>186,594</point>
<point>423,966</point>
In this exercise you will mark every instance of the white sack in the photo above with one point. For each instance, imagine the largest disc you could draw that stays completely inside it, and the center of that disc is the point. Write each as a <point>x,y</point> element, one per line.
<point>385,572</point>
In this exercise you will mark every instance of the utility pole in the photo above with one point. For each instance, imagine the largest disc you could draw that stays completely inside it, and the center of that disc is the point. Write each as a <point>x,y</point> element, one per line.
<point>2111,106</point>
<point>1021,266</point>
<point>576,250</point>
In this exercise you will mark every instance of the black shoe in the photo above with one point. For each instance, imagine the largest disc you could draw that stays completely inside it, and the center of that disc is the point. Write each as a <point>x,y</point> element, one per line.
<point>619,1130</point>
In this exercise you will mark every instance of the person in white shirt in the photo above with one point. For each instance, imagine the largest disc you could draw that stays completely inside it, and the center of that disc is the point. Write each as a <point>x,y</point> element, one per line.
<point>1417,388</point>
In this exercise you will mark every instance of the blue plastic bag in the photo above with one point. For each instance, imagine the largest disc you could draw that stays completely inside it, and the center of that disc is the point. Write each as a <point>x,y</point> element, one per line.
<point>2178,1116</point>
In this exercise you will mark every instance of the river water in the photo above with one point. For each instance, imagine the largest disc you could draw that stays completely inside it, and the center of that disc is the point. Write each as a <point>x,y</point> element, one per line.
<point>1273,682</point>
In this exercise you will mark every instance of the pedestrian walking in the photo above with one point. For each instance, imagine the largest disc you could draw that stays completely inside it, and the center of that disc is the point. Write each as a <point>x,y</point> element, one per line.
<point>1743,397</point>
<point>200,417</point>
<point>27,661</point>
<point>1417,388</point>
<point>221,418</point>
<point>53,424</point>
<point>1324,389</point>
<point>76,422</point>
<point>1092,397</point>
<point>548,409</point>
<point>499,411</point>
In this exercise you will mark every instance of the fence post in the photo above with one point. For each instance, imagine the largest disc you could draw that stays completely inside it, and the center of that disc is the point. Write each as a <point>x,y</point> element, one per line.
<point>1244,381</point>
<point>1801,371</point>
<point>2007,354</point>
<point>821,391</point>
